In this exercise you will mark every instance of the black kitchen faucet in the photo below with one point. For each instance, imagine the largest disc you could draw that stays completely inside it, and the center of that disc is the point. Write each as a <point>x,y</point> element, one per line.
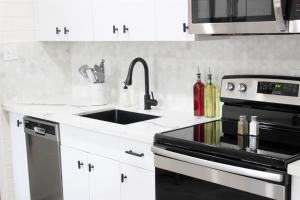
<point>148,101</point>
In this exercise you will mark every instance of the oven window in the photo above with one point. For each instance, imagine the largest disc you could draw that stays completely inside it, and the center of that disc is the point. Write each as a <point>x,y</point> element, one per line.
<point>174,186</point>
<point>217,11</point>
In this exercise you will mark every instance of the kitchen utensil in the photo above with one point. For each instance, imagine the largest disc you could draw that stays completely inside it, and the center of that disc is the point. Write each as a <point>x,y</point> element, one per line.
<point>83,71</point>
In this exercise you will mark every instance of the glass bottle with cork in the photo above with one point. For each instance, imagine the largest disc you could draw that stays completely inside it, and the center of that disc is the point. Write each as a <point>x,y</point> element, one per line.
<point>199,95</point>
<point>211,98</point>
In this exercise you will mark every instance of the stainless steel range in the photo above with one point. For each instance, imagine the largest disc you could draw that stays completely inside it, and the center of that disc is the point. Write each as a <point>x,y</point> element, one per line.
<point>207,161</point>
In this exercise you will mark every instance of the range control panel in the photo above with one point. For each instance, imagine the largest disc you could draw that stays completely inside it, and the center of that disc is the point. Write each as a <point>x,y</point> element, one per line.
<point>271,89</point>
<point>278,88</point>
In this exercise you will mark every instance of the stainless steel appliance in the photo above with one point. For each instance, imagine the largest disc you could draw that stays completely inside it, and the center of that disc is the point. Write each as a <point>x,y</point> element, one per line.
<point>209,161</point>
<point>44,165</point>
<point>244,16</point>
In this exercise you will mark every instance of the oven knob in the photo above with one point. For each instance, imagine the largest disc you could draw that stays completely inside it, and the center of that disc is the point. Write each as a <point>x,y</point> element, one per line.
<point>242,87</point>
<point>230,86</point>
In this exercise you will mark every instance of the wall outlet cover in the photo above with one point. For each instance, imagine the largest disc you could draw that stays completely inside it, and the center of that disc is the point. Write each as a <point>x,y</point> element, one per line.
<point>10,52</point>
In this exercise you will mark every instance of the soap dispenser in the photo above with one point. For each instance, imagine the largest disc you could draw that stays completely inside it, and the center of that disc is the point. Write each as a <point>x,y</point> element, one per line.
<point>199,95</point>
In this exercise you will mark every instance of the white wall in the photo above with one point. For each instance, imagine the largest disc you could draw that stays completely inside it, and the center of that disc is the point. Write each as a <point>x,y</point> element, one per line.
<point>17,21</point>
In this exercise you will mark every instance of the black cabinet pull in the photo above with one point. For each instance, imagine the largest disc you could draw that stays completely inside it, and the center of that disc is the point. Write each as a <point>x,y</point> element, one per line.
<point>91,167</point>
<point>19,123</point>
<point>80,164</point>
<point>125,29</point>
<point>123,177</point>
<point>115,29</point>
<point>130,152</point>
<point>57,31</point>
<point>66,30</point>
<point>185,27</point>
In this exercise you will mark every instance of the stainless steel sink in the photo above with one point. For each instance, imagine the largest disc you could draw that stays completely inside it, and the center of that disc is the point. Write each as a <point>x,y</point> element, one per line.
<point>119,116</point>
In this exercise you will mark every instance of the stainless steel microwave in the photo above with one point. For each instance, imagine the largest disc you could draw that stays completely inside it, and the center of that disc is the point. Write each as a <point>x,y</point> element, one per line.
<point>244,16</point>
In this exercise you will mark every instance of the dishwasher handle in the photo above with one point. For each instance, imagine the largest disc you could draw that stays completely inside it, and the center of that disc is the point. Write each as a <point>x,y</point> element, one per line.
<point>39,131</point>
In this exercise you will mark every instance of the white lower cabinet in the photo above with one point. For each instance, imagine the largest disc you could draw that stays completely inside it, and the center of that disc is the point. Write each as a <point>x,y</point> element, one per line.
<point>138,184</point>
<point>104,178</point>
<point>19,157</point>
<point>93,177</point>
<point>74,174</point>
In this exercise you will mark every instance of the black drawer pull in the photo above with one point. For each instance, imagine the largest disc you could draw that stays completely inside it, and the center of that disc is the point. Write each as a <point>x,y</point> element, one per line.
<point>123,177</point>
<point>115,29</point>
<point>91,167</point>
<point>57,31</point>
<point>185,28</point>
<point>80,164</point>
<point>19,123</point>
<point>130,152</point>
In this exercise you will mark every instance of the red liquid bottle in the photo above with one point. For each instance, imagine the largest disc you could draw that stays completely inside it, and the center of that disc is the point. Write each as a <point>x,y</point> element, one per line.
<point>199,96</point>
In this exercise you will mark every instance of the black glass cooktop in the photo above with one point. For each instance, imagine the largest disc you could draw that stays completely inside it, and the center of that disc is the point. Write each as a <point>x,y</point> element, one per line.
<point>209,139</point>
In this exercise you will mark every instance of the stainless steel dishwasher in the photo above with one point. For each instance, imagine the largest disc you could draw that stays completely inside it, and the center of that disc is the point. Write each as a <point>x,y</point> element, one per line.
<point>44,164</point>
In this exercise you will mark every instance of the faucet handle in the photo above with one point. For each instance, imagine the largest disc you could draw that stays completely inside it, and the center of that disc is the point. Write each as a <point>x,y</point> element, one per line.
<point>152,95</point>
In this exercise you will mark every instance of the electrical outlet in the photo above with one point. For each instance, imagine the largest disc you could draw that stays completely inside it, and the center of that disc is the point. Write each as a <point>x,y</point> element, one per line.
<point>10,52</point>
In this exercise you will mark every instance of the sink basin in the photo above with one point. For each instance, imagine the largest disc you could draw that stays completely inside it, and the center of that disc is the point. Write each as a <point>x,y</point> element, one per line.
<point>119,116</point>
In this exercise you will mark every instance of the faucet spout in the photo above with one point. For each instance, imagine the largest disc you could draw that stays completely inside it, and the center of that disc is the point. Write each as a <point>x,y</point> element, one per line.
<point>128,82</point>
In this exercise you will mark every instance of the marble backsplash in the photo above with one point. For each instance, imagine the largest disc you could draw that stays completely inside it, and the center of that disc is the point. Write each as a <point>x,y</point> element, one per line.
<point>172,65</point>
<point>41,71</point>
<point>44,71</point>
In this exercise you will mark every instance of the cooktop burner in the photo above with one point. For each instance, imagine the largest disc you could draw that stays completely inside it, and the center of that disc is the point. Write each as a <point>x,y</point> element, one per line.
<point>209,139</point>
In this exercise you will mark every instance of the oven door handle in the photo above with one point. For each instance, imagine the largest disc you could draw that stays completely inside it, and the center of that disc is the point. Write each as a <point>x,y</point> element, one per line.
<point>279,15</point>
<point>268,176</point>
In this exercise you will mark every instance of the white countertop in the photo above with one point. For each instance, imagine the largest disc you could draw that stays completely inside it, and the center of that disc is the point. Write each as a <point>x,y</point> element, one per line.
<point>140,131</point>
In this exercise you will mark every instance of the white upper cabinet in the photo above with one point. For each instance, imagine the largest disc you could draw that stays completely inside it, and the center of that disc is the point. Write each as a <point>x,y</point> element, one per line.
<point>113,20</point>
<point>78,14</point>
<point>138,20</point>
<point>107,23</point>
<point>50,20</point>
<point>124,20</point>
<point>65,20</point>
<point>172,20</point>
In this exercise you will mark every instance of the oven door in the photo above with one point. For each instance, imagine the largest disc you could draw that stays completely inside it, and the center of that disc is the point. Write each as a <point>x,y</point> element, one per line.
<point>237,16</point>
<point>181,177</point>
<point>294,16</point>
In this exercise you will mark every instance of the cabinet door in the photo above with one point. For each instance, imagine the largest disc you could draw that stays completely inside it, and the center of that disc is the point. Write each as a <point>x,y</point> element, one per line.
<point>138,183</point>
<point>104,178</point>
<point>171,17</point>
<point>74,174</point>
<point>107,20</point>
<point>19,157</point>
<point>137,19</point>
<point>50,20</point>
<point>78,18</point>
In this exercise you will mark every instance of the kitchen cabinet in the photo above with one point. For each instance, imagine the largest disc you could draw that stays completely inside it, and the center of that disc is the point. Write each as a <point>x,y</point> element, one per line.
<point>113,20</point>
<point>124,20</point>
<point>19,157</point>
<point>93,177</point>
<point>172,21</point>
<point>104,178</point>
<point>132,189</point>
<point>65,20</point>
<point>74,174</point>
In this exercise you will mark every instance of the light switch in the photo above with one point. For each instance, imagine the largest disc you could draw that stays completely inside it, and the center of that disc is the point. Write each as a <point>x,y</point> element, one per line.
<point>10,52</point>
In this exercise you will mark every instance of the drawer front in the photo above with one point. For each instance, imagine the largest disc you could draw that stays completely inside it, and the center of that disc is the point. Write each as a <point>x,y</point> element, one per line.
<point>109,146</point>
<point>137,154</point>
